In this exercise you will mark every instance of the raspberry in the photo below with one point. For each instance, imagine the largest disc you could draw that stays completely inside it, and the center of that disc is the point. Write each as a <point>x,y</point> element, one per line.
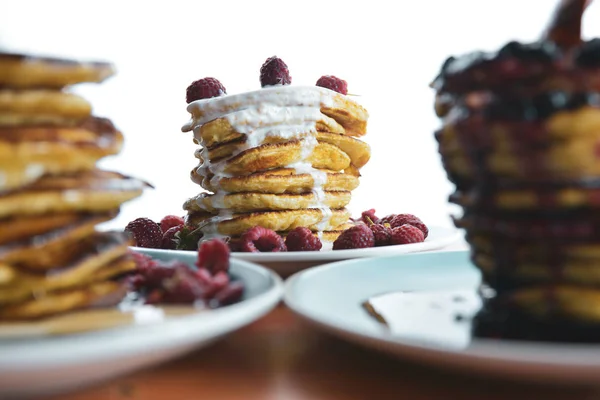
<point>302,239</point>
<point>230,294</point>
<point>333,83</point>
<point>368,217</point>
<point>146,233</point>
<point>382,234</point>
<point>204,89</point>
<point>214,256</point>
<point>357,237</point>
<point>259,239</point>
<point>274,72</point>
<point>169,239</point>
<point>170,221</point>
<point>406,234</point>
<point>396,220</point>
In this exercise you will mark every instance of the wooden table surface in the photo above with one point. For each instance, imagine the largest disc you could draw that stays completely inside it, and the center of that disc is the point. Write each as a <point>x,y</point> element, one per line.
<point>281,357</point>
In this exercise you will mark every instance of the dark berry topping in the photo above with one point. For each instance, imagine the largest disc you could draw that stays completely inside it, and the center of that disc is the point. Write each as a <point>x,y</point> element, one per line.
<point>204,89</point>
<point>302,239</point>
<point>259,239</point>
<point>274,72</point>
<point>406,234</point>
<point>357,237</point>
<point>213,255</point>
<point>333,83</point>
<point>588,54</point>
<point>539,51</point>
<point>145,232</point>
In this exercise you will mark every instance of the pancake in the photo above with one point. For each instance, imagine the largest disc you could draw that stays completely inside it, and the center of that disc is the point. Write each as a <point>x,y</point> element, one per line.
<point>253,201</point>
<point>530,198</point>
<point>96,252</point>
<point>13,229</point>
<point>94,191</point>
<point>98,294</point>
<point>27,153</point>
<point>358,151</point>
<point>39,106</point>
<point>27,71</point>
<point>345,111</point>
<point>277,181</point>
<point>287,220</point>
<point>280,155</point>
<point>257,127</point>
<point>54,247</point>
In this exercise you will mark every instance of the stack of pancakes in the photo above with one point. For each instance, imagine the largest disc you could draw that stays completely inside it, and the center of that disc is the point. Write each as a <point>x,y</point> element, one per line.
<point>520,139</point>
<point>52,259</point>
<point>281,157</point>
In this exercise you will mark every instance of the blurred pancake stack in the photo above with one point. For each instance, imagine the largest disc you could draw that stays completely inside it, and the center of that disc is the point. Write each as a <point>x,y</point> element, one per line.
<point>280,157</point>
<point>521,141</point>
<point>52,195</point>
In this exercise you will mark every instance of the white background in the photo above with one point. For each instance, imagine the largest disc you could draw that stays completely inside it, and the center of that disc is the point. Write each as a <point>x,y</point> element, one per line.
<point>387,51</point>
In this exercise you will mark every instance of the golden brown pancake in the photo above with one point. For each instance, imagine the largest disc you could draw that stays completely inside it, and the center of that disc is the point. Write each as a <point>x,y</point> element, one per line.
<point>278,181</point>
<point>280,155</point>
<point>55,247</point>
<point>358,151</point>
<point>94,191</point>
<point>27,153</point>
<point>95,253</point>
<point>26,71</point>
<point>343,109</point>
<point>98,294</point>
<point>220,131</point>
<point>18,228</point>
<point>254,201</point>
<point>274,220</point>
<point>40,106</point>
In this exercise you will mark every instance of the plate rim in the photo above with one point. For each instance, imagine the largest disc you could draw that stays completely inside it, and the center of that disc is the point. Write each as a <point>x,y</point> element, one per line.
<point>506,355</point>
<point>175,327</point>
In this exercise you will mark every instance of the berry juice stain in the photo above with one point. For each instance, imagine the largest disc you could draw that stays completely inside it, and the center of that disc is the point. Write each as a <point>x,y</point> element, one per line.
<point>452,319</point>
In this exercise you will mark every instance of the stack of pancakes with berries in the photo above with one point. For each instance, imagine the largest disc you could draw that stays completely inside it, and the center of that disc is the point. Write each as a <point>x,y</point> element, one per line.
<point>280,157</point>
<point>52,195</point>
<point>520,140</point>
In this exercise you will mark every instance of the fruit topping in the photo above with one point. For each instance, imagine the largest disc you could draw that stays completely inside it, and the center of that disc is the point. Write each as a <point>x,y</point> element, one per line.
<point>302,239</point>
<point>213,255</point>
<point>263,240</point>
<point>382,234</point>
<point>170,221</point>
<point>333,83</point>
<point>405,234</point>
<point>145,232</point>
<point>274,72</point>
<point>169,239</point>
<point>357,237</point>
<point>396,220</point>
<point>204,88</point>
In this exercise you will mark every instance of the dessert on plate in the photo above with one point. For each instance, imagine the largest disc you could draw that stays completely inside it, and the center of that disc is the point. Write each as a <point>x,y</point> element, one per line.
<point>280,157</point>
<point>519,139</point>
<point>53,259</point>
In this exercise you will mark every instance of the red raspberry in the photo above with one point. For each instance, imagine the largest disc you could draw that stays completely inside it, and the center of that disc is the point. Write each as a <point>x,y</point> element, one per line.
<point>333,83</point>
<point>274,72</point>
<point>368,217</point>
<point>169,240</point>
<point>382,234</point>
<point>204,88</point>
<point>170,221</point>
<point>259,239</point>
<point>230,294</point>
<point>214,256</point>
<point>406,234</point>
<point>146,233</point>
<point>302,239</point>
<point>396,220</point>
<point>357,237</point>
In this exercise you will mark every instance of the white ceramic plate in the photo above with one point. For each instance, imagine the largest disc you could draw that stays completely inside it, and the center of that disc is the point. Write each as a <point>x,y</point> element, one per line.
<point>331,296</point>
<point>49,365</point>
<point>287,263</point>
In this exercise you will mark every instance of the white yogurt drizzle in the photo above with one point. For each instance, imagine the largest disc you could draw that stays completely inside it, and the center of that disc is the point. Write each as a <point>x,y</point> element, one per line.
<point>287,112</point>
